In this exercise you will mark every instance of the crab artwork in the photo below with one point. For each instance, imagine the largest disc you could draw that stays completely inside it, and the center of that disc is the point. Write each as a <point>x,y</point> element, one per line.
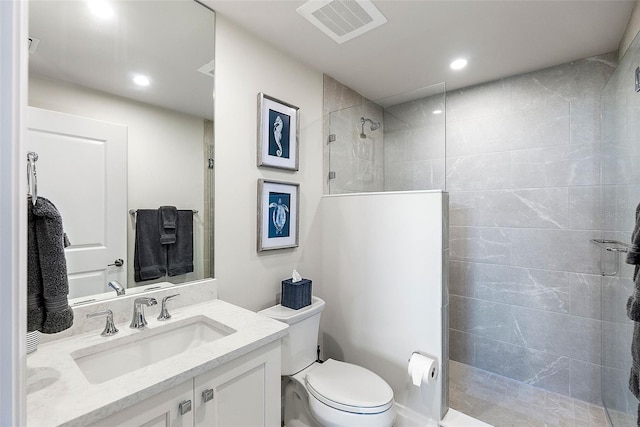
<point>279,215</point>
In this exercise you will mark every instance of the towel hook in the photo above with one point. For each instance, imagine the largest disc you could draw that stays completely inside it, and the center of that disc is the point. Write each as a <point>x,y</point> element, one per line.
<point>32,177</point>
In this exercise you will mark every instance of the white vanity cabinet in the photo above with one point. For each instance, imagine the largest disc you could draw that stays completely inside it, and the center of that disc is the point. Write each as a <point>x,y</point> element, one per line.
<point>160,410</point>
<point>242,392</point>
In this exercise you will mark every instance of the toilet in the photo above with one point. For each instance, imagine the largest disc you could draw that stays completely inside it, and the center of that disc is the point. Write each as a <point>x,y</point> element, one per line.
<point>328,394</point>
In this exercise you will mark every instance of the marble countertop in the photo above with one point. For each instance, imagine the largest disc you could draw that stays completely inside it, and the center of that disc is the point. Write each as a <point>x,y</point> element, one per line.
<point>59,394</point>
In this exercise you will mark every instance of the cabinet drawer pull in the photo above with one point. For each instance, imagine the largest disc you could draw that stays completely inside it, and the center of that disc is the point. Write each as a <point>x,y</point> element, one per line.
<point>184,407</point>
<point>207,395</point>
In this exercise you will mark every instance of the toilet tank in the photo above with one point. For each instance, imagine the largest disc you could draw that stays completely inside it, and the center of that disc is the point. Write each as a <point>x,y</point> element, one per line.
<point>300,344</point>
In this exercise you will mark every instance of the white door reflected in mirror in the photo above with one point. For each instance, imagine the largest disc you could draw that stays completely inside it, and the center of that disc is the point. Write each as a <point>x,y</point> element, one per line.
<point>82,169</point>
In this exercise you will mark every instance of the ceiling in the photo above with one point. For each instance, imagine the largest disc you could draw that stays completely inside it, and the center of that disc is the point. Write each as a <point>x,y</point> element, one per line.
<point>165,40</point>
<point>413,50</point>
<point>398,59</point>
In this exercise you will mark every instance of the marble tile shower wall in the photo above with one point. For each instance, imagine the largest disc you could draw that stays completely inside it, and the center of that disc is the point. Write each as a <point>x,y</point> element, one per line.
<point>414,144</point>
<point>523,172</point>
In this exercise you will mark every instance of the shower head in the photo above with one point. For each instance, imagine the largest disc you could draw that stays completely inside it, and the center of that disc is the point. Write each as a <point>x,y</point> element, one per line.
<point>372,127</point>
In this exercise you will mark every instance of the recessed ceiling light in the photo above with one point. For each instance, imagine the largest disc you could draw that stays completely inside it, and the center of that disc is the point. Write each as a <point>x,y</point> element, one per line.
<point>100,8</point>
<point>437,111</point>
<point>458,64</point>
<point>141,80</point>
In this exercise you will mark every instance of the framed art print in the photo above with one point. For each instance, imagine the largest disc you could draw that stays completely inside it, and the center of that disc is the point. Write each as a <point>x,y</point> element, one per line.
<point>278,204</point>
<point>278,129</point>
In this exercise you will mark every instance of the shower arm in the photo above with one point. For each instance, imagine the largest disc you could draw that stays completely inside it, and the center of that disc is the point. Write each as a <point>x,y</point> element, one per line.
<point>374,125</point>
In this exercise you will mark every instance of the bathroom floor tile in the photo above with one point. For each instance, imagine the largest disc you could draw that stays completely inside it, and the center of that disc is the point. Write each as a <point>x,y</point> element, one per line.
<point>504,402</point>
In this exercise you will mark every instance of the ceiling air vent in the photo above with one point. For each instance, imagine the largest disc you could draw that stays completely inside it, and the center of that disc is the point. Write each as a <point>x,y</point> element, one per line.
<point>342,20</point>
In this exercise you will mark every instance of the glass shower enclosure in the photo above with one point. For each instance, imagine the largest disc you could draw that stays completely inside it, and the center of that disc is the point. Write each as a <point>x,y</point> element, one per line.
<point>392,144</point>
<point>620,194</point>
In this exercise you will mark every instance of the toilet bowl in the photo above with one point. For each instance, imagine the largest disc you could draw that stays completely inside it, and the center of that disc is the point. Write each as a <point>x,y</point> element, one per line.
<point>329,394</point>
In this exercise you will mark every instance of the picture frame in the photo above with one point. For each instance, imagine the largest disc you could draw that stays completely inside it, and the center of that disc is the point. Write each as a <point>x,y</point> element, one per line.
<point>278,133</point>
<point>278,214</point>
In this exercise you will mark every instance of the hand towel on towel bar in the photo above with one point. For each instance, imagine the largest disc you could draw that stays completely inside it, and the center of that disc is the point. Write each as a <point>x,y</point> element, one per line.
<point>168,221</point>
<point>633,310</point>
<point>180,254</point>
<point>149,256</point>
<point>633,258</point>
<point>47,282</point>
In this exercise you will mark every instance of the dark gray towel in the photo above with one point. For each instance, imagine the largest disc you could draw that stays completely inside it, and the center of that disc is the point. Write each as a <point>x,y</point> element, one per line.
<point>35,302</point>
<point>168,220</point>
<point>47,283</point>
<point>633,257</point>
<point>633,311</point>
<point>180,254</point>
<point>149,256</point>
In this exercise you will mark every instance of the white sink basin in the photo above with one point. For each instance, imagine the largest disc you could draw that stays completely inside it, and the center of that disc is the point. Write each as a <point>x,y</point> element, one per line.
<point>117,357</point>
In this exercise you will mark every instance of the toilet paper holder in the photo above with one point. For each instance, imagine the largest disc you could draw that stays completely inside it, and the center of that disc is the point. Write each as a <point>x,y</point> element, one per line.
<point>422,369</point>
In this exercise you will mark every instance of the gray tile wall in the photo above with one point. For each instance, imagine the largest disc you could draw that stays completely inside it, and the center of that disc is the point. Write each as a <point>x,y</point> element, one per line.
<point>414,143</point>
<point>523,172</point>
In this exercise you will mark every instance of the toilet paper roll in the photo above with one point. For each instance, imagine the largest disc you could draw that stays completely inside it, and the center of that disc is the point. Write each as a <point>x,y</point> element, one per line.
<point>422,369</point>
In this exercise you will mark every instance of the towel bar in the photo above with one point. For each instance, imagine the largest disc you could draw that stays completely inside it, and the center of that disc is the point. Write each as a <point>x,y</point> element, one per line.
<point>607,245</point>
<point>133,211</point>
<point>612,246</point>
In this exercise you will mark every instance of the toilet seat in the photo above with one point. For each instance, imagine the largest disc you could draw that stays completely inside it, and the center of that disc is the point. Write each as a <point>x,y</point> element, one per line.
<point>350,388</point>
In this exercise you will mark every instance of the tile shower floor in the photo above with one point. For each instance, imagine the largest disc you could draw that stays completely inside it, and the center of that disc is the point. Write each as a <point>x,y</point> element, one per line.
<point>503,402</point>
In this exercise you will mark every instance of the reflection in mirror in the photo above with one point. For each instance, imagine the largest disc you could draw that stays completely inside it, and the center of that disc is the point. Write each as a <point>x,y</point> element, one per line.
<point>121,116</point>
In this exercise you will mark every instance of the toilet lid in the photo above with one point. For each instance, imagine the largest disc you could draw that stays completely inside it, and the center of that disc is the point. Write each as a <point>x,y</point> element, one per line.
<point>350,388</point>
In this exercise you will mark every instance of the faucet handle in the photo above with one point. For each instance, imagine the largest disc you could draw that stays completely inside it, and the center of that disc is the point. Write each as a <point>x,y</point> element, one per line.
<point>164,313</point>
<point>109,328</point>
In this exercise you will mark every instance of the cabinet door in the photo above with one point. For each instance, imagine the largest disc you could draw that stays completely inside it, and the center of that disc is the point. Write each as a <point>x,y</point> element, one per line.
<point>161,410</point>
<point>243,393</point>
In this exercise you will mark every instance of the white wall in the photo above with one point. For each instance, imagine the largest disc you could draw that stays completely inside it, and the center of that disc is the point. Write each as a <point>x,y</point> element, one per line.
<point>245,66</point>
<point>165,154</point>
<point>13,212</point>
<point>383,263</point>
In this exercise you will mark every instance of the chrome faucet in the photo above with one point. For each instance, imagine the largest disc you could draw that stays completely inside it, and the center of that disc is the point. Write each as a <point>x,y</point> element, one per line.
<point>164,313</point>
<point>109,327</point>
<point>116,286</point>
<point>138,321</point>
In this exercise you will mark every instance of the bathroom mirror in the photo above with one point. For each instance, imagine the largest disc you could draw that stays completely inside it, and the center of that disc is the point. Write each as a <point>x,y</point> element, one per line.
<point>143,69</point>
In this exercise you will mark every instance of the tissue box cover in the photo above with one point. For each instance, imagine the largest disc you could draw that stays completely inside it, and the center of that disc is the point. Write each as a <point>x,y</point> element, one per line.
<point>296,295</point>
